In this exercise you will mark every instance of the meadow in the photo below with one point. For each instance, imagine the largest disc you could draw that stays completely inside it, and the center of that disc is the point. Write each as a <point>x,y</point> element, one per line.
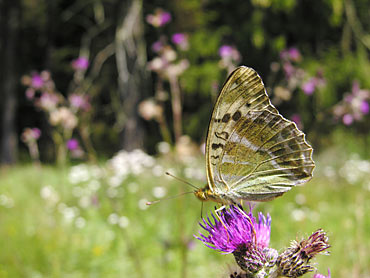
<point>91,220</point>
<point>81,80</point>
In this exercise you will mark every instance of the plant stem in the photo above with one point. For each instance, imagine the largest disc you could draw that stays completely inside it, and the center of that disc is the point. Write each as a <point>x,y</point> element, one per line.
<point>176,107</point>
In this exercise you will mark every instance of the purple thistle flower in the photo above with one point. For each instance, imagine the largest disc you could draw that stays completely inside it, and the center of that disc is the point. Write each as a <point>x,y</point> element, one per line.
<point>348,98</point>
<point>289,69</point>
<point>296,118</point>
<point>238,230</point>
<point>165,17</point>
<point>37,81</point>
<point>309,87</point>
<point>291,54</point>
<point>81,63</point>
<point>318,275</point>
<point>159,18</point>
<point>178,38</point>
<point>347,119</point>
<point>79,101</point>
<point>30,134</point>
<point>229,56</point>
<point>294,54</point>
<point>263,230</point>
<point>72,144</point>
<point>157,46</point>
<point>225,51</point>
<point>36,133</point>
<point>30,93</point>
<point>181,40</point>
<point>365,108</point>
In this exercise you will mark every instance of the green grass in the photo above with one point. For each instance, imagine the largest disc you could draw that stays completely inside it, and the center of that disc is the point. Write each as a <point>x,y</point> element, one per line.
<point>38,240</point>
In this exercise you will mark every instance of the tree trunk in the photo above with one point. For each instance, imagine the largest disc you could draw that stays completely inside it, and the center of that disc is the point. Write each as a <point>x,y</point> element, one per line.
<point>132,75</point>
<point>10,17</point>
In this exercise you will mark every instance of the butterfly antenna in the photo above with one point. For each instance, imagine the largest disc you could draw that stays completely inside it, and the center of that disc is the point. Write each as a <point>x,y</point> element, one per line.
<point>168,198</point>
<point>183,181</point>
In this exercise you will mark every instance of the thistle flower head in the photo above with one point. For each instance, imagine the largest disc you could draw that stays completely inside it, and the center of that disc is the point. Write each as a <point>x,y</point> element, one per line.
<point>263,230</point>
<point>31,134</point>
<point>234,231</point>
<point>159,18</point>
<point>36,81</point>
<point>79,101</point>
<point>291,54</point>
<point>234,228</point>
<point>80,64</point>
<point>294,261</point>
<point>228,52</point>
<point>72,144</point>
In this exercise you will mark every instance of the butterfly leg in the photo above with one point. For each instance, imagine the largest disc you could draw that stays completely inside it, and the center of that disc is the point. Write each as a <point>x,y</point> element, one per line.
<point>220,208</point>
<point>250,221</point>
<point>219,218</point>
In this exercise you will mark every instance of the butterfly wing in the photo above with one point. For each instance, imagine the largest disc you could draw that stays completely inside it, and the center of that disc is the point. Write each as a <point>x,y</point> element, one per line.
<point>253,153</point>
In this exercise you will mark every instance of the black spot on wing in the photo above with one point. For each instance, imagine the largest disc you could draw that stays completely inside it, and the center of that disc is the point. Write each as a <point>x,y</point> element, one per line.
<point>222,135</point>
<point>236,116</point>
<point>216,146</point>
<point>226,118</point>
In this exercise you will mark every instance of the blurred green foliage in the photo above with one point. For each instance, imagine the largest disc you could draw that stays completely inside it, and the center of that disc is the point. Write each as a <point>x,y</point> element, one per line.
<point>331,35</point>
<point>260,30</point>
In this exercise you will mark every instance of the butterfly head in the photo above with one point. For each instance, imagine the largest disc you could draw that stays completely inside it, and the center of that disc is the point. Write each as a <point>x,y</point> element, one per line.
<point>206,194</point>
<point>202,194</point>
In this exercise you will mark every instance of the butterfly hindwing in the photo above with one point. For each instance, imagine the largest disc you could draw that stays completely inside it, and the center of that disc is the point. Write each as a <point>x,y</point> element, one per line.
<point>253,153</point>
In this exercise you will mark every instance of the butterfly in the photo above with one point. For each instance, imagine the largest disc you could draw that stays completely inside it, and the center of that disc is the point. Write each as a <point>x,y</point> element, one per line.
<point>252,152</point>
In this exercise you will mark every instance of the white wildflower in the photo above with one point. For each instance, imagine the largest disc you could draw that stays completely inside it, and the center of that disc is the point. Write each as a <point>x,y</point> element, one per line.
<point>300,199</point>
<point>115,181</point>
<point>80,222</point>
<point>159,192</point>
<point>113,218</point>
<point>94,185</point>
<point>123,222</point>
<point>142,204</point>
<point>79,173</point>
<point>49,194</point>
<point>163,147</point>
<point>298,215</point>
<point>158,171</point>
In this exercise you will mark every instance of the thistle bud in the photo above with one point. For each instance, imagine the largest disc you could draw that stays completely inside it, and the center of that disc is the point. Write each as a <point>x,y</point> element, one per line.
<point>294,261</point>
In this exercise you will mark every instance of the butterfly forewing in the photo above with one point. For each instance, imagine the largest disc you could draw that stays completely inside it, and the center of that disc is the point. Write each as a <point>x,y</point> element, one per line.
<point>242,92</point>
<point>253,153</point>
